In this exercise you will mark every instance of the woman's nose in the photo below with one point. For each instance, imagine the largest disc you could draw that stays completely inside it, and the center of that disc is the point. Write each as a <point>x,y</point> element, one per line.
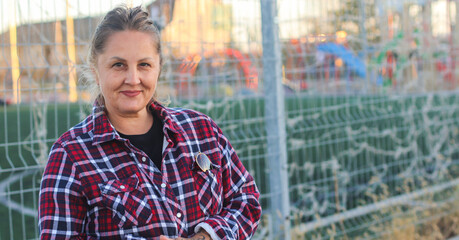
<point>132,76</point>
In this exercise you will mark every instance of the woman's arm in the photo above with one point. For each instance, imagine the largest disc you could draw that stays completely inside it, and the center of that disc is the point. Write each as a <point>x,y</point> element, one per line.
<point>62,208</point>
<point>241,211</point>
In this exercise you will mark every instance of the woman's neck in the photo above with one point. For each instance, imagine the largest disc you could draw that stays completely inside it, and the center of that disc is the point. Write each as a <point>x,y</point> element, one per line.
<point>132,125</point>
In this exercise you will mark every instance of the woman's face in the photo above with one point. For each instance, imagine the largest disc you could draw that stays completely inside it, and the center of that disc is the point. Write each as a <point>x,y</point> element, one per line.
<point>127,72</point>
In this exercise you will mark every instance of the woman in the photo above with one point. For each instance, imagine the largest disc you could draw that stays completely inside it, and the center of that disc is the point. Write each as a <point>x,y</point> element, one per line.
<point>135,169</point>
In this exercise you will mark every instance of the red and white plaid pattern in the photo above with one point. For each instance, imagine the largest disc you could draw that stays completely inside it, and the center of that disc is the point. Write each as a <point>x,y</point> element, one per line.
<point>97,185</point>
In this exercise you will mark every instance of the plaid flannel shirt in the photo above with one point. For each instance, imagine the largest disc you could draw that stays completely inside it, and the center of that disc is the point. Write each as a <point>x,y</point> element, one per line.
<point>96,185</point>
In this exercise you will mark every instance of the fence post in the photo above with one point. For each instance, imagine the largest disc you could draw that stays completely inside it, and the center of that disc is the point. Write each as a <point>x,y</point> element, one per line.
<point>275,123</point>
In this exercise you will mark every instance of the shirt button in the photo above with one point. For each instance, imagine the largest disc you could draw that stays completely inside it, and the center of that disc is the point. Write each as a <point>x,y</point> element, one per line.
<point>163,185</point>
<point>122,187</point>
<point>179,215</point>
<point>144,159</point>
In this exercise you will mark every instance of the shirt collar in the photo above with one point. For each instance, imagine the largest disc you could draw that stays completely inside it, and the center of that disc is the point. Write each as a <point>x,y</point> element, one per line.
<point>104,130</point>
<point>165,114</point>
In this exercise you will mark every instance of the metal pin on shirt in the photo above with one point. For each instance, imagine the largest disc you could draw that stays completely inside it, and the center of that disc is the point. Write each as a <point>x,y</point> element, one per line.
<point>203,161</point>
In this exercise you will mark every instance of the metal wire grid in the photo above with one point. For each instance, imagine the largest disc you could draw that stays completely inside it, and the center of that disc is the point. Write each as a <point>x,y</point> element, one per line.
<point>360,165</point>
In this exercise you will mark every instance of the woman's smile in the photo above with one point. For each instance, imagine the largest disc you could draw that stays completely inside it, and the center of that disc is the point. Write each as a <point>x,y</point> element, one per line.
<point>131,93</point>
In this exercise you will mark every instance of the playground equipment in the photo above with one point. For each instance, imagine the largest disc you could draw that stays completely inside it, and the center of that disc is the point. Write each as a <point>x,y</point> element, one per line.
<point>317,62</point>
<point>229,60</point>
<point>400,54</point>
<point>351,61</point>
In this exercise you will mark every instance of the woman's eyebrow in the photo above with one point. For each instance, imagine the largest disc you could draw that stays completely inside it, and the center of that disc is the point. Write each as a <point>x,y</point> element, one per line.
<point>117,58</point>
<point>122,59</point>
<point>146,58</point>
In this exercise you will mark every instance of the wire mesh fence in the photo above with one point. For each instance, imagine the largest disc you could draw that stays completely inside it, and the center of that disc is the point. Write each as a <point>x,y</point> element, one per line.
<point>369,89</point>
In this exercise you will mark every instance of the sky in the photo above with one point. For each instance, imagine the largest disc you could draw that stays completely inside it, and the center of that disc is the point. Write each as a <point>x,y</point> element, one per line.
<point>26,11</point>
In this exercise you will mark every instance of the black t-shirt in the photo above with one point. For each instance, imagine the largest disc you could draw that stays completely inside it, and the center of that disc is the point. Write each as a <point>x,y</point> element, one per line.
<point>151,142</point>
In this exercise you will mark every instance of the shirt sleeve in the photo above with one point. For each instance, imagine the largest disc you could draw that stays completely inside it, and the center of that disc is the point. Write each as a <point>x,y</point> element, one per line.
<point>62,208</point>
<point>241,209</point>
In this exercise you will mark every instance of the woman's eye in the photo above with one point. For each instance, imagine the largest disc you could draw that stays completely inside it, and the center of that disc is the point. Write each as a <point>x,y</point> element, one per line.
<point>145,65</point>
<point>118,65</point>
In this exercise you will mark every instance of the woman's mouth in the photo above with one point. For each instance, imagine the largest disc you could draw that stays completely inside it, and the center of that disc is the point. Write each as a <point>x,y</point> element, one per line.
<point>131,93</point>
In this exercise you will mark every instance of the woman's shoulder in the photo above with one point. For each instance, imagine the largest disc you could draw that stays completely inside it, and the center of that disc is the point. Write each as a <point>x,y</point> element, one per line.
<point>187,114</point>
<point>78,131</point>
<point>185,118</point>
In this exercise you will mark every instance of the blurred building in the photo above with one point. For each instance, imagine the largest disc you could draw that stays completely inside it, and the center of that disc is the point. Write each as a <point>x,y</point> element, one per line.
<point>43,55</point>
<point>42,48</point>
<point>207,27</point>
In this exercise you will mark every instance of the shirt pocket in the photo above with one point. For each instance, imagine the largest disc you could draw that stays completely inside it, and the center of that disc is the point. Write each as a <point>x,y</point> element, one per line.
<point>209,189</point>
<point>128,203</point>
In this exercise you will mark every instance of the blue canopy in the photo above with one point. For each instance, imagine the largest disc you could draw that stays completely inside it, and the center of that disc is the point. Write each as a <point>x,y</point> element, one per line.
<point>347,56</point>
